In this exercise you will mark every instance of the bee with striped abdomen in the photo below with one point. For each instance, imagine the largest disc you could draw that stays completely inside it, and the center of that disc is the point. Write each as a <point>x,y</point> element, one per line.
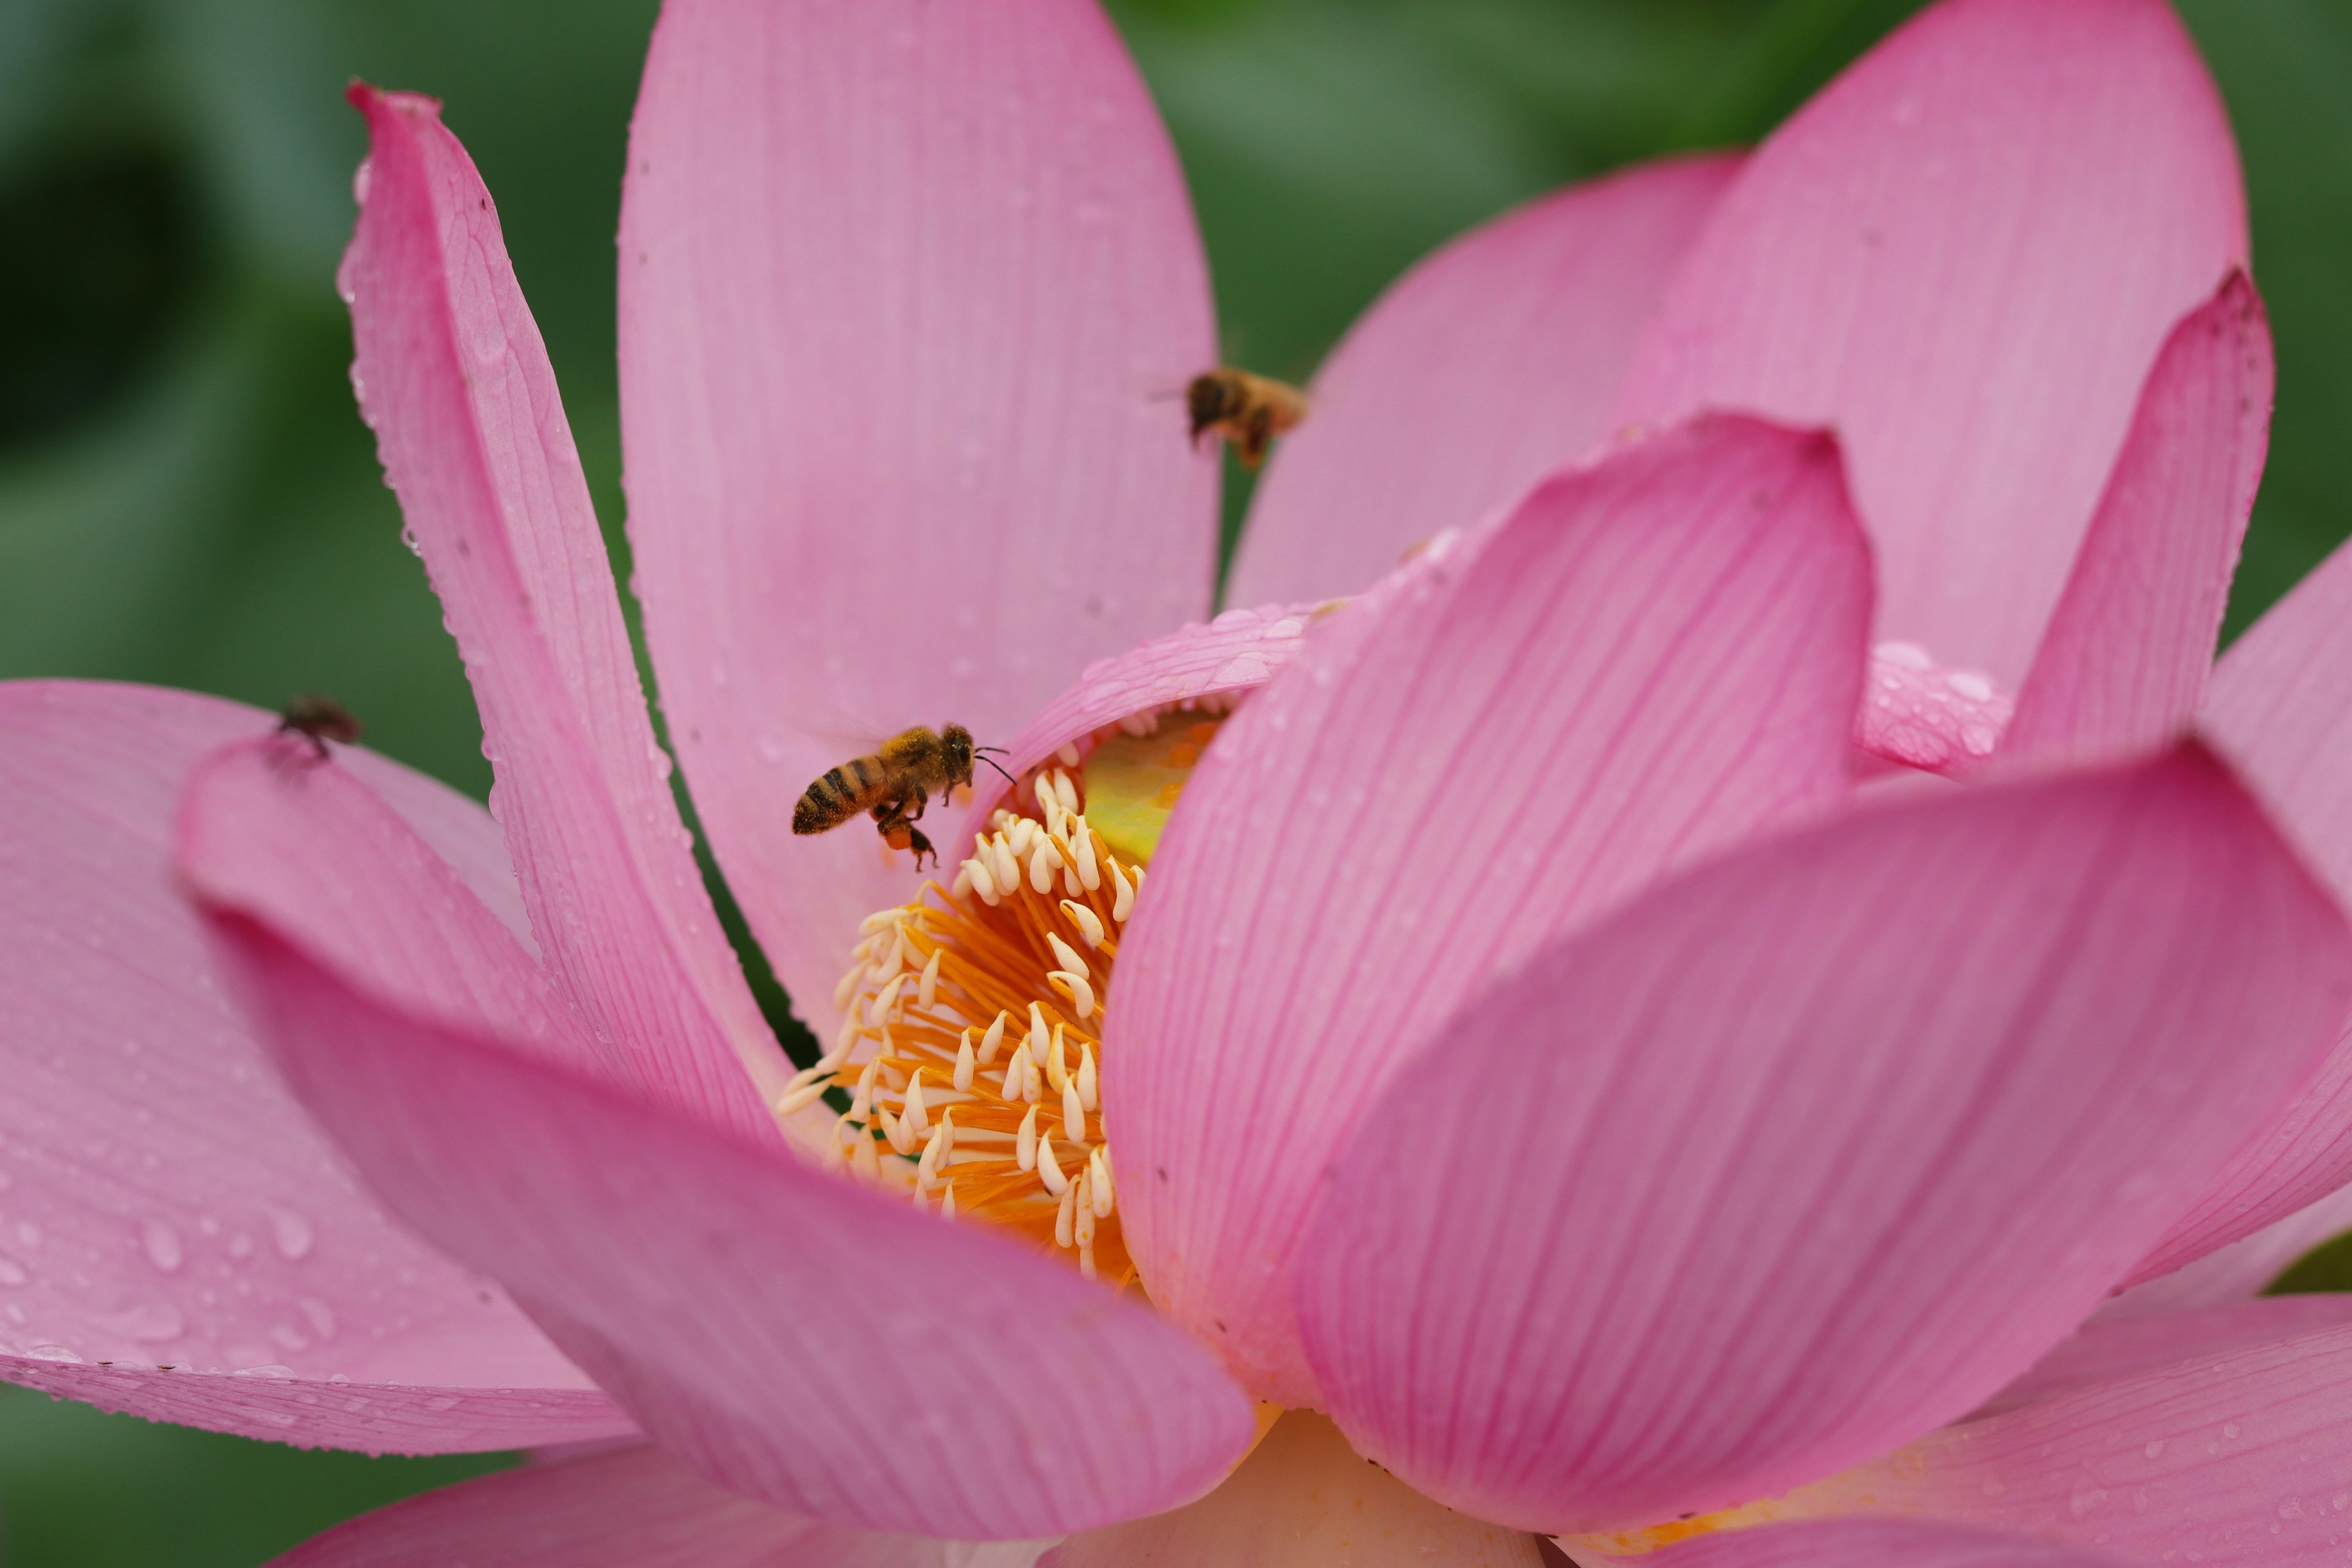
<point>895,783</point>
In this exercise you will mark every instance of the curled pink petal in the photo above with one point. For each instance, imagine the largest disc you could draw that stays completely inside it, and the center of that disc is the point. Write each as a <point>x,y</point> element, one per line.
<point>634,1508</point>
<point>1302,1500</point>
<point>909,297</point>
<point>2106,1349</point>
<point>268,831</point>
<point>793,1336</point>
<point>1648,658</point>
<point>1963,255</point>
<point>1489,364</point>
<point>167,1204</point>
<point>2244,1267</point>
<point>2237,1457</point>
<point>1872,1543</point>
<point>1816,1147</point>
<point>1237,652</point>
<point>454,380</point>
<point>2122,666</point>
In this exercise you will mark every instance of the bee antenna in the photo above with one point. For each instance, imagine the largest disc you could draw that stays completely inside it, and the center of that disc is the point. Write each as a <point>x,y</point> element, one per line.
<point>993,763</point>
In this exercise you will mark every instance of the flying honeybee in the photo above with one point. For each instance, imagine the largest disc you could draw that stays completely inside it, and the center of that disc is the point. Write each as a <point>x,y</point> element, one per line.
<point>895,783</point>
<point>1249,411</point>
<point>320,717</point>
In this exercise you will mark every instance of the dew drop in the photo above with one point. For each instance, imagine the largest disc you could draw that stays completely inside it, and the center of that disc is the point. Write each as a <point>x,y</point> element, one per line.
<point>293,1232</point>
<point>162,1244</point>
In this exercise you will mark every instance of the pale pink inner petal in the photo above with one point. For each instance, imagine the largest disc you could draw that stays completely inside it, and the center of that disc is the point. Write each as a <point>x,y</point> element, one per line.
<point>910,296</point>
<point>2243,1457</point>
<point>1871,1544</point>
<point>1235,654</point>
<point>1490,364</point>
<point>1303,1499</point>
<point>634,1508</point>
<point>1814,1149</point>
<point>794,1337</point>
<point>2108,1348</point>
<point>454,380</point>
<point>1964,254</point>
<point>162,1201</point>
<point>1648,658</point>
<point>2125,661</point>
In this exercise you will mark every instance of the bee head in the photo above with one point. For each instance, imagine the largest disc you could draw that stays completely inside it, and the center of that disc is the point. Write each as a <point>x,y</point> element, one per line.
<point>956,741</point>
<point>1208,400</point>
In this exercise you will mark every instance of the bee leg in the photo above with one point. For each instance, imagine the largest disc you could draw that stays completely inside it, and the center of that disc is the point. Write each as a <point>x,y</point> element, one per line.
<point>1257,434</point>
<point>890,820</point>
<point>922,800</point>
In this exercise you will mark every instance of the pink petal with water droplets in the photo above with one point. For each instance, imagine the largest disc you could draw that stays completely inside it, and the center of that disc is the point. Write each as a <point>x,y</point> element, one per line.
<point>632,1509</point>
<point>1964,254</point>
<point>793,1336</point>
<point>1303,1499</point>
<point>1648,659</point>
<point>1919,714</point>
<point>1872,1543</point>
<point>167,1203</point>
<point>2240,1458</point>
<point>1489,364</point>
<point>454,380</point>
<point>909,295</point>
<point>2106,1349</point>
<point>2124,662</point>
<point>1815,1148</point>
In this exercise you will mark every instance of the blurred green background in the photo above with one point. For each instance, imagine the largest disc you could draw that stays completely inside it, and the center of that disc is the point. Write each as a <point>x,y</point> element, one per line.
<point>187,496</point>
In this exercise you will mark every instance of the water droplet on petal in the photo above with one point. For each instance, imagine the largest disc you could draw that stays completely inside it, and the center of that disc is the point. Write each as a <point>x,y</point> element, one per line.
<point>162,1244</point>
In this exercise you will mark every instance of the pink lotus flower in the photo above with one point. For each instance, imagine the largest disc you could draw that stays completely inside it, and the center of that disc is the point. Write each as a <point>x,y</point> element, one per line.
<point>1529,1052</point>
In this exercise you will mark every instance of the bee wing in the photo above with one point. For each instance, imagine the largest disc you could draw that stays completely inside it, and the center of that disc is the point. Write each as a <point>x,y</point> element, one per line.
<point>840,732</point>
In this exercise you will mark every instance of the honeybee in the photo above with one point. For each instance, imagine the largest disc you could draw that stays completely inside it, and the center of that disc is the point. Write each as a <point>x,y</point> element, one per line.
<point>902,775</point>
<point>1249,411</point>
<point>320,717</point>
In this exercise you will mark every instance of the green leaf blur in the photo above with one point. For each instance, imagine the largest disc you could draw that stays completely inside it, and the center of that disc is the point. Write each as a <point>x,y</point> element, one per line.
<point>187,496</point>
